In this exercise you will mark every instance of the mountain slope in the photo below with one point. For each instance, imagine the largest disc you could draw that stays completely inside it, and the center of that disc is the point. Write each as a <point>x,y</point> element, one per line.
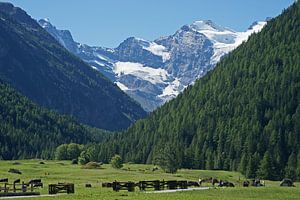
<point>153,72</point>
<point>29,131</point>
<point>244,115</point>
<point>34,63</point>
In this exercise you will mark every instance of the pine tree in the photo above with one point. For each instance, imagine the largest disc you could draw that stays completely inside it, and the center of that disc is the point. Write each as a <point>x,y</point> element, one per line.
<point>243,164</point>
<point>209,161</point>
<point>266,168</point>
<point>290,170</point>
<point>252,166</point>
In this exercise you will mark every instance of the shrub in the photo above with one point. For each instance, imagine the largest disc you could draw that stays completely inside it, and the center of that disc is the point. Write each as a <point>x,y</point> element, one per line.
<point>166,159</point>
<point>116,162</point>
<point>68,151</point>
<point>84,158</point>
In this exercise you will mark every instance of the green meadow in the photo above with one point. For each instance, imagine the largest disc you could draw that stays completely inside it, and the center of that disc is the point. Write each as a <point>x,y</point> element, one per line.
<point>64,171</point>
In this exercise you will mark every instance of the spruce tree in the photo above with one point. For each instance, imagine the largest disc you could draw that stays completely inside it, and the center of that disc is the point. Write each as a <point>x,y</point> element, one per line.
<point>252,166</point>
<point>243,164</point>
<point>266,169</point>
<point>290,170</point>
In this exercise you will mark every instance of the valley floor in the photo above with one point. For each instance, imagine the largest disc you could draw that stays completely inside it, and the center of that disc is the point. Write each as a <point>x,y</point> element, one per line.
<point>64,171</point>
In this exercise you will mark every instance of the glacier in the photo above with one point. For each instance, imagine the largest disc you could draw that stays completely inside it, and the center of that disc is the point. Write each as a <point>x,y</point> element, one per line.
<point>154,72</point>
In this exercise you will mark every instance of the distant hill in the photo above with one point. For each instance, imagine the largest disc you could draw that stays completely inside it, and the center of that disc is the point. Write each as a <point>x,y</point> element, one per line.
<point>34,63</point>
<point>29,131</point>
<point>244,115</point>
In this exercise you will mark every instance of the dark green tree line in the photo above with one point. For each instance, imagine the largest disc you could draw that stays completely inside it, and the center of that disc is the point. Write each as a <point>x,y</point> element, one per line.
<point>29,131</point>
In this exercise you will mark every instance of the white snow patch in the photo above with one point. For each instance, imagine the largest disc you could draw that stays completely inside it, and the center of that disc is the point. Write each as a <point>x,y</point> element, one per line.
<point>46,23</point>
<point>224,40</point>
<point>258,26</point>
<point>99,63</point>
<point>158,50</point>
<point>46,20</point>
<point>140,39</point>
<point>243,36</point>
<point>95,61</point>
<point>110,50</point>
<point>100,56</point>
<point>207,25</point>
<point>172,90</point>
<point>150,74</point>
<point>94,67</point>
<point>122,86</point>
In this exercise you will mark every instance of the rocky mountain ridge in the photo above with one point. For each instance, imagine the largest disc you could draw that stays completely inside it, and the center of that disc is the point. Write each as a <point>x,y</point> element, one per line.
<point>153,72</point>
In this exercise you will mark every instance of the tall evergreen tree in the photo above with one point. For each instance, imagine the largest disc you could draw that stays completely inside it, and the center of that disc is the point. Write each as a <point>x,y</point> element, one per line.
<point>290,169</point>
<point>252,166</point>
<point>267,169</point>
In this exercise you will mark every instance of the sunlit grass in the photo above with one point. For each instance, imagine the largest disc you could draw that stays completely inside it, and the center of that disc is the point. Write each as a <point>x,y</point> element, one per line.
<point>64,171</point>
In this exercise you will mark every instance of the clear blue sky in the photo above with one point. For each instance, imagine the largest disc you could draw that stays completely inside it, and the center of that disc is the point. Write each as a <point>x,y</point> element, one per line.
<point>109,22</point>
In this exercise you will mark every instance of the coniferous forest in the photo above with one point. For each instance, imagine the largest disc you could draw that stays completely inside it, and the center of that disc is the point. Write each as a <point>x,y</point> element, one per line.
<point>244,115</point>
<point>29,131</point>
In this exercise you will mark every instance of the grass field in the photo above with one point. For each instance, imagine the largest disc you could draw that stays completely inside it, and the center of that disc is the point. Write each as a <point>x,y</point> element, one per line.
<point>63,171</point>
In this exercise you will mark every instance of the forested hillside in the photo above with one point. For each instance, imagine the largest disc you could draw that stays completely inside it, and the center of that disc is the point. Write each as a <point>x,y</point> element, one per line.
<point>244,115</point>
<point>29,131</point>
<point>35,64</point>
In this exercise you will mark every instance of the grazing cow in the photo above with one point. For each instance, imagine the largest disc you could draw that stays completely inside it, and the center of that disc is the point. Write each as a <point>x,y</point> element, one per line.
<point>211,180</point>
<point>257,183</point>
<point>287,183</point>
<point>246,183</point>
<point>88,185</point>
<point>35,183</point>
<point>154,169</point>
<point>225,184</point>
<point>214,181</point>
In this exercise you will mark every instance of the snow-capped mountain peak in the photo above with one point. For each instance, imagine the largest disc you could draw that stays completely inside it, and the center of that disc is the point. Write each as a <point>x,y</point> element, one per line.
<point>224,39</point>
<point>209,25</point>
<point>257,26</point>
<point>153,72</point>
